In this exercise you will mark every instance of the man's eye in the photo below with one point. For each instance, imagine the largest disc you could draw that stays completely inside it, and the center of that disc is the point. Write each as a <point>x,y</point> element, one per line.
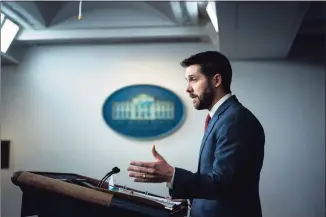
<point>192,79</point>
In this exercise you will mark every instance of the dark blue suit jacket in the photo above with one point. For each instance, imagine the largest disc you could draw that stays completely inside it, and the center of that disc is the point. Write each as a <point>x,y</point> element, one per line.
<point>230,160</point>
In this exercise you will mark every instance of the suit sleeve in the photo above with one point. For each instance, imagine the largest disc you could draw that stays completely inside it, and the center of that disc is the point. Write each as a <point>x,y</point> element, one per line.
<point>230,154</point>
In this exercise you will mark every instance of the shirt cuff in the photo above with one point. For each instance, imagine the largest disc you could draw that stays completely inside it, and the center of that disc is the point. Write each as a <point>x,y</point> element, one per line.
<point>170,184</point>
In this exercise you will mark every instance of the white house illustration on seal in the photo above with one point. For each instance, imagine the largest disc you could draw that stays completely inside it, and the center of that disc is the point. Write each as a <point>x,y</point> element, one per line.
<point>143,107</point>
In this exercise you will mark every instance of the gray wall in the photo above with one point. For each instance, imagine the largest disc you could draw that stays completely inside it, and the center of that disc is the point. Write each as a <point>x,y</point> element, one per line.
<point>51,110</point>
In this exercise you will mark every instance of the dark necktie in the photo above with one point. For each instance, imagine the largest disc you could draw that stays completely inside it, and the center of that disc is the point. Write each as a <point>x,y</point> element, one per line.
<point>208,118</point>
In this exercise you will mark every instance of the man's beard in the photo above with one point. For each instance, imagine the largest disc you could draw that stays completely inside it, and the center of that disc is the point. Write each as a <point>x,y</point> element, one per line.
<point>205,99</point>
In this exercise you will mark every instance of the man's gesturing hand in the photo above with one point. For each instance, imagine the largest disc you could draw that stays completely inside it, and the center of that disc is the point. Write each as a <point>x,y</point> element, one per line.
<point>153,172</point>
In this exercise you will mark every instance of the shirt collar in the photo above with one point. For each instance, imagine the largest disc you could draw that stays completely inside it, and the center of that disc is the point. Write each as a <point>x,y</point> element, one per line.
<point>218,104</point>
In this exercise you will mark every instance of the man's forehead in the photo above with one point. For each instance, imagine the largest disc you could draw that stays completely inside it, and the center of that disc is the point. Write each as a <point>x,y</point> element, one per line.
<point>192,70</point>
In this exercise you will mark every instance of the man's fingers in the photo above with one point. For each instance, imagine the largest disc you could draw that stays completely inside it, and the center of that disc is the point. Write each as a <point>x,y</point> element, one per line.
<point>156,154</point>
<point>142,170</point>
<point>147,178</point>
<point>142,164</point>
<point>141,180</point>
<point>141,176</point>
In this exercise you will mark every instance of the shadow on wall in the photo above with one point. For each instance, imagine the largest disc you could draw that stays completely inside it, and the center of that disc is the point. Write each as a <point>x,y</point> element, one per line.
<point>309,48</point>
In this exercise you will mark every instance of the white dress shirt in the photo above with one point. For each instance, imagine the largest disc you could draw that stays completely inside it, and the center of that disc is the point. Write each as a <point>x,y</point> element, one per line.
<point>218,104</point>
<point>211,113</point>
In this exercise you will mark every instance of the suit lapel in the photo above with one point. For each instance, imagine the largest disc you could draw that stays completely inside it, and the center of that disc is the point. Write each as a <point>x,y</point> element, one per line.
<point>213,121</point>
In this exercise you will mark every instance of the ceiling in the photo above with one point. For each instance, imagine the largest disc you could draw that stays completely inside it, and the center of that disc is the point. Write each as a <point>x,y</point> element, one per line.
<point>247,30</point>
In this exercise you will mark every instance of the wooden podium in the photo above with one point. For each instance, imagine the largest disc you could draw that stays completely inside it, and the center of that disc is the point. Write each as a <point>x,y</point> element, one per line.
<point>70,195</point>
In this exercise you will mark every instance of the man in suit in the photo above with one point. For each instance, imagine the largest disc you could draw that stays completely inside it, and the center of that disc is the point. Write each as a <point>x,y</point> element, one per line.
<point>232,150</point>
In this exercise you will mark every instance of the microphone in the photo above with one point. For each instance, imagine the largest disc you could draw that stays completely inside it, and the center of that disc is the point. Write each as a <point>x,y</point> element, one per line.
<point>115,170</point>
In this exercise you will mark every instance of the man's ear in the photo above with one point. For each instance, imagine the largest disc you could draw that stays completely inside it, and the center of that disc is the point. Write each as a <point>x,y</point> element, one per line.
<point>217,80</point>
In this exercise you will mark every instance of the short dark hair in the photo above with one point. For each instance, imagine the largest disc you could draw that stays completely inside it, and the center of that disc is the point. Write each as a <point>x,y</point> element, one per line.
<point>212,63</point>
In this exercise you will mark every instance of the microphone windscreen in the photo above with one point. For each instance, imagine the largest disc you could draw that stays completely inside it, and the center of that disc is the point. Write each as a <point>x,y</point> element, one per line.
<point>115,170</point>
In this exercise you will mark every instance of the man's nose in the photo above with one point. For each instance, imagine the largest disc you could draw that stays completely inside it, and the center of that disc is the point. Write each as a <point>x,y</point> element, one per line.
<point>189,89</point>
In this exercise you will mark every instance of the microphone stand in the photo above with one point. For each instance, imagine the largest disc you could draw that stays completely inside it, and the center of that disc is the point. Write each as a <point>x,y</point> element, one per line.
<point>113,171</point>
<point>104,179</point>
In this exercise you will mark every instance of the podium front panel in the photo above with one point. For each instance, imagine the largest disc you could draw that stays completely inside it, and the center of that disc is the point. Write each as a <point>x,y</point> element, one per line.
<point>48,203</point>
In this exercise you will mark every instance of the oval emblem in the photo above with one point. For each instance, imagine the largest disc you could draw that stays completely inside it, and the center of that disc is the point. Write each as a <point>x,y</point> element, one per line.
<point>144,111</point>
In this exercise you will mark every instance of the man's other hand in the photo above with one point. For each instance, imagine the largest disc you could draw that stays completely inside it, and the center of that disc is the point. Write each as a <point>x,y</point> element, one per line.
<point>152,172</point>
